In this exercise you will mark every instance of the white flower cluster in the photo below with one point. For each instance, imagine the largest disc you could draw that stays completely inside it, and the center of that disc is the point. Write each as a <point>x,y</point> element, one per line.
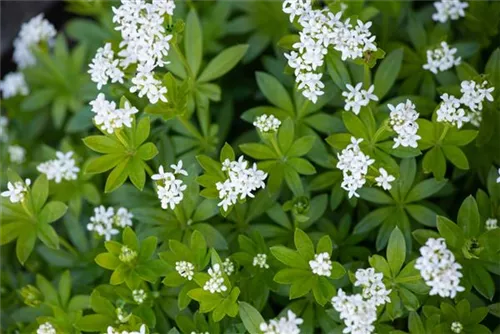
<point>127,254</point>
<point>241,182</point>
<point>267,123</point>
<point>320,30</point>
<point>260,260</point>
<point>16,191</point>
<point>384,179</point>
<point>284,325</point>
<point>13,84</point>
<point>17,154</point>
<point>31,34</point>
<point>491,224</point>
<point>373,287</point>
<point>139,296</point>
<point>441,59</point>
<point>145,43</point>
<point>46,328</point>
<point>456,327</point>
<point>105,222</point>
<point>473,96</point>
<point>108,118</point>
<point>354,166</point>
<point>449,10</point>
<point>105,67</point>
<point>439,269</point>
<point>169,189</point>
<point>358,313</point>
<point>61,168</point>
<point>356,97</point>
<point>185,269</point>
<point>403,121</point>
<point>321,265</point>
<point>216,281</point>
<point>228,266</point>
<point>4,122</point>
<point>450,111</point>
<point>111,330</point>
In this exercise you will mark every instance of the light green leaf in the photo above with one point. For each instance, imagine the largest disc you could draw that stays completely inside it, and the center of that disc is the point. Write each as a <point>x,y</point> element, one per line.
<point>223,62</point>
<point>193,41</point>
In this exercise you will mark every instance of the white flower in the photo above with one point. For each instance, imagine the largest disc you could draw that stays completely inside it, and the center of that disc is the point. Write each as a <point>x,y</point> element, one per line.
<point>61,168</point>
<point>102,222</point>
<point>260,260</point>
<point>354,166</point>
<point>104,67</point>
<point>439,269</point>
<point>123,218</point>
<point>456,327</point>
<point>31,34</point>
<point>450,111</point>
<point>146,84</point>
<point>4,122</point>
<point>169,189</point>
<point>139,296</point>
<point>284,325</point>
<point>384,179</point>
<point>357,313</point>
<point>374,289</point>
<point>228,266</point>
<point>127,254</point>
<point>142,330</point>
<point>296,7</point>
<point>46,328</point>
<point>441,59</point>
<point>498,178</point>
<point>108,118</point>
<point>491,224</point>
<point>267,123</point>
<point>241,182</point>
<point>356,97</point>
<point>13,84</point>
<point>473,96</point>
<point>16,191</point>
<point>449,9</point>
<point>321,265</point>
<point>403,119</point>
<point>216,281</point>
<point>17,154</point>
<point>185,269</point>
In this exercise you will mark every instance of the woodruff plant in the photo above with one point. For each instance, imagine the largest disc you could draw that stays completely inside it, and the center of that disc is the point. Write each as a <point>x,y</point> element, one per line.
<point>359,193</point>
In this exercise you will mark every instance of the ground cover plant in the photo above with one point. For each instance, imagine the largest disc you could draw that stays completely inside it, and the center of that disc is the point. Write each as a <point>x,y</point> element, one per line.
<point>286,167</point>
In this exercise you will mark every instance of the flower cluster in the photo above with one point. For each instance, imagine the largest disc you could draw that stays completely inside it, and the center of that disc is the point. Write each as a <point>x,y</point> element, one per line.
<point>46,328</point>
<point>320,30</point>
<point>284,325</point>
<point>145,43</point>
<point>108,118</point>
<point>473,96</point>
<point>403,121</point>
<point>441,59</point>
<point>216,281</point>
<point>356,97</point>
<point>267,123</point>
<point>16,191</point>
<point>105,222</point>
<point>169,189</point>
<point>127,254</point>
<point>321,265</point>
<point>228,266</point>
<point>354,166</point>
<point>139,296</point>
<point>4,122</point>
<point>357,313</point>
<point>31,34</point>
<point>384,179</point>
<point>61,168</point>
<point>142,330</point>
<point>456,327</point>
<point>491,224</point>
<point>185,269</point>
<point>241,182</point>
<point>450,111</point>
<point>13,84</point>
<point>17,154</point>
<point>260,260</point>
<point>439,269</point>
<point>449,10</point>
<point>373,287</point>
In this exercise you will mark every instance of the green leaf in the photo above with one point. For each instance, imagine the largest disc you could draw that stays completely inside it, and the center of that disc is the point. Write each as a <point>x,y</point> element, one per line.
<point>354,125</point>
<point>460,138</point>
<point>492,69</point>
<point>424,189</point>
<point>9,232</point>
<point>323,291</point>
<point>223,62</point>
<point>117,176</point>
<point>380,265</point>
<point>64,287</point>
<point>337,70</point>
<point>250,317</point>
<point>468,217</point>
<point>40,192</point>
<point>52,212</point>
<point>456,156</point>
<point>435,162</point>
<point>193,41</point>
<point>274,91</point>
<point>142,131</point>
<point>303,244</point>
<point>450,232</point>
<point>289,257</point>
<point>386,74</point>
<point>324,245</point>
<point>258,151</point>
<point>286,134</point>
<point>103,163</point>
<point>482,281</point>
<point>47,235</point>
<point>25,244</point>
<point>301,146</point>
<point>396,251</point>
<point>94,323</point>
<point>416,31</point>
<point>103,144</point>
<point>107,261</point>
<point>227,152</point>
<point>302,166</point>
<point>147,151</point>
<point>136,173</point>
<point>293,181</point>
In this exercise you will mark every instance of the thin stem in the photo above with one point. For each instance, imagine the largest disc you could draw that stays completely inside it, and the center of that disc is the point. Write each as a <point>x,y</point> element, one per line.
<point>303,108</point>
<point>443,134</point>
<point>183,60</point>
<point>190,127</point>
<point>148,169</point>
<point>179,214</point>
<point>275,145</point>
<point>121,138</point>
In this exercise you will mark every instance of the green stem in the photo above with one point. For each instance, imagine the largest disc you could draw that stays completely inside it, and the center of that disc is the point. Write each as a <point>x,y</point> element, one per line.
<point>303,108</point>
<point>148,169</point>
<point>121,138</point>
<point>68,246</point>
<point>379,132</point>
<point>275,145</point>
<point>189,127</point>
<point>183,60</point>
<point>179,214</point>
<point>443,134</point>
